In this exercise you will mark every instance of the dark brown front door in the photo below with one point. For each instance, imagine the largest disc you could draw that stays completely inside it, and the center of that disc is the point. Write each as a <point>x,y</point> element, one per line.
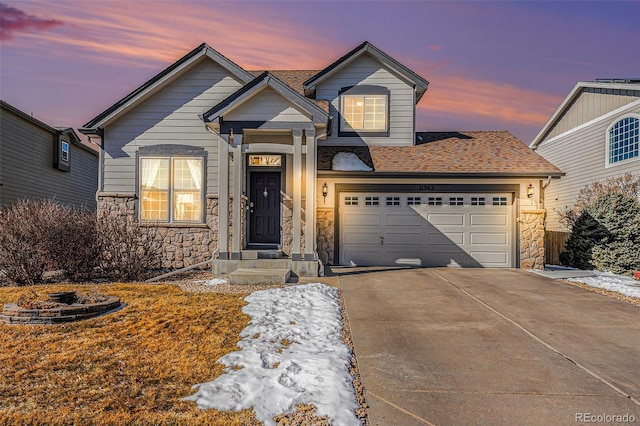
<point>264,208</point>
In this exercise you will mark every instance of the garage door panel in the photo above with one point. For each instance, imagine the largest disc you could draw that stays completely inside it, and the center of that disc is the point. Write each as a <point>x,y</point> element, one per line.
<point>495,258</point>
<point>404,220</point>
<point>413,238</point>
<point>446,238</point>
<point>446,219</point>
<point>363,237</point>
<point>485,219</point>
<point>481,238</point>
<point>361,219</point>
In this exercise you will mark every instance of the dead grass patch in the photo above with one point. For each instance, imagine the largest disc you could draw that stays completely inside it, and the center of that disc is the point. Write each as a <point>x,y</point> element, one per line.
<point>129,367</point>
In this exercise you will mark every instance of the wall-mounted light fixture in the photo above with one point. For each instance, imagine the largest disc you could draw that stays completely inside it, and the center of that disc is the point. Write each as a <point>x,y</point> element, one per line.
<point>530,191</point>
<point>325,191</point>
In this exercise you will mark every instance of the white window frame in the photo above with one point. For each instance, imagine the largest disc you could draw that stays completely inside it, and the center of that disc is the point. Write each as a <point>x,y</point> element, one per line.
<point>346,127</point>
<point>171,190</point>
<point>64,151</point>
<point>607,160</point>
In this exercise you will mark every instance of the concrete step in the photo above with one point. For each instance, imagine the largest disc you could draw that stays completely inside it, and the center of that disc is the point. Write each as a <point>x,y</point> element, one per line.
<point>255,276</point>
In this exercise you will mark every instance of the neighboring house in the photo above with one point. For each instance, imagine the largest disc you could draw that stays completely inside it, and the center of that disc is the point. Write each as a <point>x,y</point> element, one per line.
<point>42,162</point>
<point>592,136</point>
<point>314,166</point>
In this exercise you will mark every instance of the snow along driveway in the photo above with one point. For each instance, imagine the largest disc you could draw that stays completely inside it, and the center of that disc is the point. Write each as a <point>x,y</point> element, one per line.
<point>291,352</point>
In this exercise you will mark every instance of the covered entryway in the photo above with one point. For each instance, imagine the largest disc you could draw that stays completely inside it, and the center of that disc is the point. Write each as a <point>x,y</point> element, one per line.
<point>426,229</point>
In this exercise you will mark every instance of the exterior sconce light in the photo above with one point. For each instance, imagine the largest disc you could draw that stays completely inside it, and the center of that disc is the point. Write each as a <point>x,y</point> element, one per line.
<point>325,191</point>
<point>530,191</point>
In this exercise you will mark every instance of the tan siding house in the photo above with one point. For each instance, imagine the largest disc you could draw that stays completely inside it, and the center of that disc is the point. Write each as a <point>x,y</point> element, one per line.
<point>38,161</point>
<point>291,170</point>
<point>578,139</point>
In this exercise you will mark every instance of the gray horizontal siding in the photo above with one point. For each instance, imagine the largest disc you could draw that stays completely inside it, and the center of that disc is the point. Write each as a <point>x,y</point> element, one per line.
<point>582,156</point>
<point>268,105</point>
<point>591,104</point>
<point>170,116</point>
<point>26,153</point>
<point>366,70</point>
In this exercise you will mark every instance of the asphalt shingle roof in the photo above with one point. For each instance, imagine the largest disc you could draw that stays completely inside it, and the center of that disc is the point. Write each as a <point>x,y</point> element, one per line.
<point>475,152</point>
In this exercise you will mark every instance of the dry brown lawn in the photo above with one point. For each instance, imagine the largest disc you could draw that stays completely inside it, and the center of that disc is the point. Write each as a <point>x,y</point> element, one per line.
<point>128,367</point>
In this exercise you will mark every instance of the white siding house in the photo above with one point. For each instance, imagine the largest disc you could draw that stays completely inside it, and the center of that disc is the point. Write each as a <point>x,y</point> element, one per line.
<point>592,136</point>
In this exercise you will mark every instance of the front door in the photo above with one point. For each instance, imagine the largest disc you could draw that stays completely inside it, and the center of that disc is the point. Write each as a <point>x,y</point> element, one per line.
<point>264,208</point>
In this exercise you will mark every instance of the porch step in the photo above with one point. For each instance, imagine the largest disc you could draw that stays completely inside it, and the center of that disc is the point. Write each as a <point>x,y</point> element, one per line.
<point>262,254</point>
<point>254,276</point>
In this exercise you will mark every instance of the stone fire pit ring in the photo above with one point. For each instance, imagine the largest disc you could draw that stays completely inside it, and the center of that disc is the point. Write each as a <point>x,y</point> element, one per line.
<point>14,314</point>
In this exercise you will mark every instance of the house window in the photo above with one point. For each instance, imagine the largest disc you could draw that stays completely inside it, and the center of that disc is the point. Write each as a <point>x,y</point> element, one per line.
<point>64,150</point>
<point>364,113</point>
<point>623,140</point>
<point>171,189</point>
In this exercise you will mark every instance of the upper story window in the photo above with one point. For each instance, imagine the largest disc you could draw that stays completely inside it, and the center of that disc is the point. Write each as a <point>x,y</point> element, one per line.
<point>64,150</point>
<point>623,140</point>
<point>171,189</point>
<point>364,110</point>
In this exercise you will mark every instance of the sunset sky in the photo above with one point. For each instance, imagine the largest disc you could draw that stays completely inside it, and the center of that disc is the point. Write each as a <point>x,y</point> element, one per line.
<point>491,65</point>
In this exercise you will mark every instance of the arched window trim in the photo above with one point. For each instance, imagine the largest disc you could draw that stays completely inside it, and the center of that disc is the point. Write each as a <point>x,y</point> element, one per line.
<point>607,161</point>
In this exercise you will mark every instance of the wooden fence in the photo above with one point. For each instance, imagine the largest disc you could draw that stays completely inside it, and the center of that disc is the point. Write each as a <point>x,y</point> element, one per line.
<point>554,242</point>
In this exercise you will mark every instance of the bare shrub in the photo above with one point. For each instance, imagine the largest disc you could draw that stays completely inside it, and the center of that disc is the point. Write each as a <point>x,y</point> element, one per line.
<point>129,252</point>
<point>23,254</point>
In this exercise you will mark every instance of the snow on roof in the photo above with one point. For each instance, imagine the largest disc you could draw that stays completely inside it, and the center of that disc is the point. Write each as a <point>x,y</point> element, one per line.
<point>348,162</point>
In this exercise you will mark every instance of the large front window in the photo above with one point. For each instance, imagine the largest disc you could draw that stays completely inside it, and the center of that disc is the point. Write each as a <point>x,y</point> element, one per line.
<point>623,140</point>
<point>364,113</point>
<point>171,189</point>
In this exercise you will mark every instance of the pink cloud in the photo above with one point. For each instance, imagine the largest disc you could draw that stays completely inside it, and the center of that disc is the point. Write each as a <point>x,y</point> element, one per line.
<point>434,48</point>
<point>14,20</point>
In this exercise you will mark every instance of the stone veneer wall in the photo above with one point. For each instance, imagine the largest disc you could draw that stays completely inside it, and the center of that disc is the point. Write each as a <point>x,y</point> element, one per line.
<point>325,238</point>
<point>183,244</point>
<point>287,226</point>
<point>532,239</point>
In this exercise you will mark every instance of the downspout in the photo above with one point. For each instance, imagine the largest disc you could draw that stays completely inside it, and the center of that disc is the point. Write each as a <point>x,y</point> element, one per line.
<point>542,190</point>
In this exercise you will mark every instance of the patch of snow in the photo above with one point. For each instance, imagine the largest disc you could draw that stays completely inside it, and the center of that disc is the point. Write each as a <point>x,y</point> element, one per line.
<point>215,281</point>
<point>348,162</point>
<point>610,281</point>
<point>291,352</point>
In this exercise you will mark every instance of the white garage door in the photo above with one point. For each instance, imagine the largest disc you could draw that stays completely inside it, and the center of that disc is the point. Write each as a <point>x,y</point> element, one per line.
<point>426,229</point>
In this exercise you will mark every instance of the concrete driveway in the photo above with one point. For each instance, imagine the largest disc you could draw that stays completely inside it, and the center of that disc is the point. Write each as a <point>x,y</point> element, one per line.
<point>491,347</point>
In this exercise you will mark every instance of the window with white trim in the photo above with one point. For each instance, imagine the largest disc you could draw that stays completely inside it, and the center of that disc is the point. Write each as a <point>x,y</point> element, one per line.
<point>499,201</point>
<point>64,149</point>
<point>171,189</point>
<point>414,201</point>
<point>350,201</point>
<point>456,201</point>
<point>434,201</point>
<point>623,140</point>
<point>477,201</point>
<point>364,113</point>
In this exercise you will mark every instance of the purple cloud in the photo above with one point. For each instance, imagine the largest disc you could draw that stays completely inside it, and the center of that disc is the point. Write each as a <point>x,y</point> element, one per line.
<point>14,20</point>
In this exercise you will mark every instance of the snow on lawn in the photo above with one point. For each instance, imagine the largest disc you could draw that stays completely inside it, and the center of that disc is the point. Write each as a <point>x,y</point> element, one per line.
<point>348,162</point>
<point>609,281</point>
<point>291,352</point>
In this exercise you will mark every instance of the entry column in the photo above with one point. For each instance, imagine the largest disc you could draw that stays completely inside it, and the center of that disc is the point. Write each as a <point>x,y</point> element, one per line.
<point>310,203</point>
<point>297,194</point>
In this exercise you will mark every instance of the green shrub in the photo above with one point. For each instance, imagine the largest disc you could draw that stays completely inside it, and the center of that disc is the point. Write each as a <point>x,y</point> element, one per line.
<point>605,235</point>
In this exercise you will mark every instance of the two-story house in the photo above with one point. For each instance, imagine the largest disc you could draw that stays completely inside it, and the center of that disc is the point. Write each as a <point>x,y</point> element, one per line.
<point>38,161</point>
<point>301,168</point>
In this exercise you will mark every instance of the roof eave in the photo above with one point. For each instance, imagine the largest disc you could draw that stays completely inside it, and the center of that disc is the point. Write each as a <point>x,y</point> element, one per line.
<point>413,174</point>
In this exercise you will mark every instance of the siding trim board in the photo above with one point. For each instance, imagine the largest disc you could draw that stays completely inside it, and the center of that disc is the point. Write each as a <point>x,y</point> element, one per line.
<point>604,117</point>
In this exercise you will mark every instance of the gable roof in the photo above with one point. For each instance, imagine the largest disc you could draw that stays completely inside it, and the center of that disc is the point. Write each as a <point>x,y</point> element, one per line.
<point>420,83</point>
<point>162,78</point>
<point>318,115</point>
<point>474,153</point>
<point>73,136</point>
<point>295,80</point>
<point>567,102</point>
